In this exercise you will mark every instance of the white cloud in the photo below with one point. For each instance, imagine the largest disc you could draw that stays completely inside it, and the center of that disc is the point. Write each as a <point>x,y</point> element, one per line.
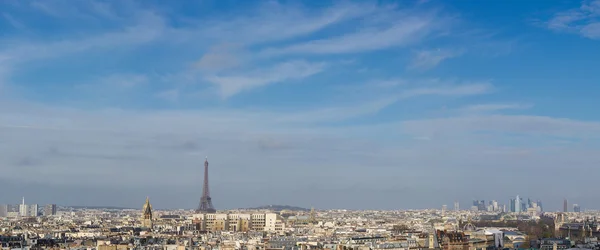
<point>427,59</point>
<point>334,114</point>
<point>286,71</point>
<point>14,22</point>
<point>171,95</point>
<point>275,22</point>
<point>591,30</point>
<point>221,57</point>
<point>233,35</point>
<point>82,10</point>
<point>523,124</point>
<point>584,20</point>
<point>494,107</point>
<point>124,80</point>
<point>147,28</point>
<point>399,34</point>
<point>450,90</point>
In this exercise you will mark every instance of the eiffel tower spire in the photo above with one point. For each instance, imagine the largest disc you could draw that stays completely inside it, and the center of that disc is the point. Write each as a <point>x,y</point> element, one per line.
<point>206,205</point>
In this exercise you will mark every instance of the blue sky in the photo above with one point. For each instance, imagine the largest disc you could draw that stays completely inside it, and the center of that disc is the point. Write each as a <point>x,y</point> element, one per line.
<point>355,104</point>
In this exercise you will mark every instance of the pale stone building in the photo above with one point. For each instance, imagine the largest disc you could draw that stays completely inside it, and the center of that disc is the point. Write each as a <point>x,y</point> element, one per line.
<point>269,222</point>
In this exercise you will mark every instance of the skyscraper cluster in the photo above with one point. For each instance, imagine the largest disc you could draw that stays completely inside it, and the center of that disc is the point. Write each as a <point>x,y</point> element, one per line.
<point>492,206</point>
<point>517,205</point>
<point>26,210</point>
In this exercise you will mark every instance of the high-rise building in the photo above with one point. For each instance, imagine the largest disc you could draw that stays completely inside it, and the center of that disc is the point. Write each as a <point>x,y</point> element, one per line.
<point>3,211</point>
<point>23,209</point>
<point>32,210</point>
<point>481,206</point>
<point>456,206</point>
<point>517,204</point>
<point>539,204</point>
<point>513,203</point>
<point>565,206</point>
<point>50,210</point>
<point>576,208</point>
<point>444,207</point>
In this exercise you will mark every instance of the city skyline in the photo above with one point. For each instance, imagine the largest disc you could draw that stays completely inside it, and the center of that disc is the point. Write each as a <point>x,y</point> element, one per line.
<point>462,206</point>
<point>297,103</point>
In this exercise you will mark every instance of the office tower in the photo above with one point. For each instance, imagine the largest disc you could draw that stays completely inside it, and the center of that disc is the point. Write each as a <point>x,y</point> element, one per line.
<point>23,209</point>
<point>456,206</point>
<point>50,210</point>
<point>539,204</point>
<point>206,205</point>
<point>565,206</point>
<point>481,206</point>
<point>32,210</point>
<point>3,211</point>
<point>576,208</point>
<point>523,207</point>
<point>513,203</point>
<point>517,204</point>
<point>495,206</point>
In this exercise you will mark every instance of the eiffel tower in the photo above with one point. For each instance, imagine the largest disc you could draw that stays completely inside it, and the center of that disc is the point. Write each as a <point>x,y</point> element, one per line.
<point>206,205</point>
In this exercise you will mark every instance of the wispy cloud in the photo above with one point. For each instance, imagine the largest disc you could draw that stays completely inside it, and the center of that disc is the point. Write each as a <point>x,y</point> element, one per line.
<point>584,20</point>
<point>148,28</point>
<point>221,57</point>
<point>522,124</point>
<point>450,90</point>
<point>494,107</point>
<point>83,10</point>
<point>399,34</point>
<point>273,22</point>
<point>427,59</point>
<point>124,80</point>
<point>14,22</point>
<point>336,114</point>
<point>171,95</point>
<point>285,71</point>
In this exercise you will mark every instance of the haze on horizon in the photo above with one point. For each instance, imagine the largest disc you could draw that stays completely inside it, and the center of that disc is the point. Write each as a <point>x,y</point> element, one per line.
<point>341,104</point>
